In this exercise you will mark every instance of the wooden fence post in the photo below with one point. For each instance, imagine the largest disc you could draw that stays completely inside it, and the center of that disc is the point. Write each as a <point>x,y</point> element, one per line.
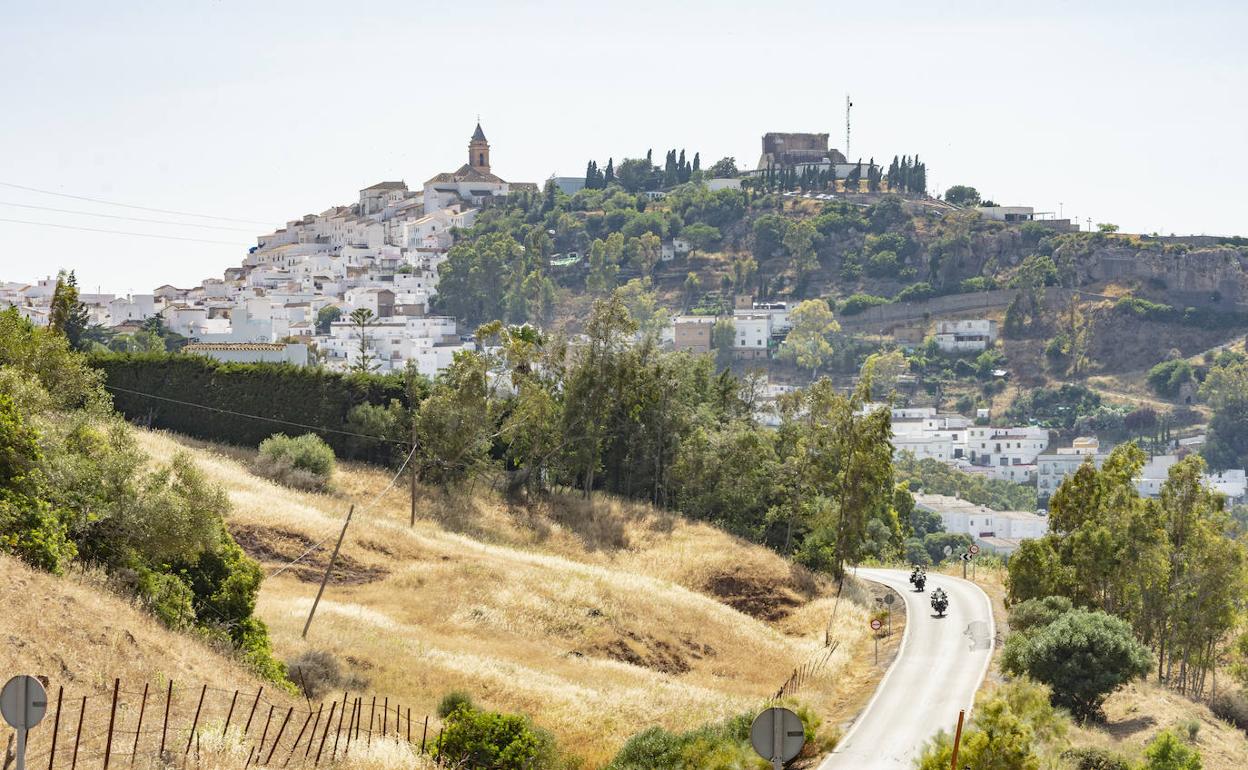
<point>78,735</point>
<point>438,743</point>
<point>312,737</point>
<point>338,730</point>
<point>298,738</point>
<point>409,724</point>
<point>112,719</point>
<point>233,700</point>
<point>254,703</point>
<point>278,739</point>
<point>195,722</point>
<point>164,728</point>
<point>329,721</point>
<point>347,749</point>
<point>385,715</point>
<point>371,708</point>
<point>264,734</point>
<point>138,730</point>
<point>424,733</point>
<point>56,725</point>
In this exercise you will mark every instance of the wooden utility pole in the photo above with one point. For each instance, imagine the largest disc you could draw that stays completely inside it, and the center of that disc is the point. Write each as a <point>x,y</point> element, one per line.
<point>328,569</point>
<point>957,740</point>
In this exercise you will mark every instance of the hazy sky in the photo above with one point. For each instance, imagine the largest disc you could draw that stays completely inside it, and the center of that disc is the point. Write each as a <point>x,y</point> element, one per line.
<point>1128,112</point>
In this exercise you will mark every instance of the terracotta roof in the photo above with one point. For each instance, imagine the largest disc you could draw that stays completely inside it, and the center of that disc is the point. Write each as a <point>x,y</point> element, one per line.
<point>387,186</point>
<point>197,347</point>
<point>466,173</point>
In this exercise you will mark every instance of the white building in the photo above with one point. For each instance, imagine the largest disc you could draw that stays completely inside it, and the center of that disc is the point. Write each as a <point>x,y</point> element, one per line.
<point>251,352</point>
<point>753,334</point>
<point>1052,469</point>
<point>966,336</point>
<point>1000,531</point>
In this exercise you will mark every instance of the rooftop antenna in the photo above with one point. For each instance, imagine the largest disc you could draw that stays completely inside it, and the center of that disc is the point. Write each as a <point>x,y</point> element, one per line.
<point>848,104</point>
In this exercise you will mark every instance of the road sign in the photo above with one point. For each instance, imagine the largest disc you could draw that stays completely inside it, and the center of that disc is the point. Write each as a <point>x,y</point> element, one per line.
<point>974,549</point>
<point>777,735</point>
<point>888,598</point>
<point>948,550</point>
<point>876,625</point>
<point>23,703</point>
<point>967,556</point>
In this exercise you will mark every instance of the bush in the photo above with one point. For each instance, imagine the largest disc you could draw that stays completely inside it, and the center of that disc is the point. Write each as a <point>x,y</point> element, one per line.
<point>484,739</point>
<point>1167,752</point>
<point>1037,613</point>
<point>315,672</point>
<point>856,303</point>
<point>1168,377</point>
<point>1231,706</point>
<point>915,292</point>
<point>453,700</point>
<point>726,744</point>
<point>302,462</point>
<point>1095,759</point>
<point>1082,655</point>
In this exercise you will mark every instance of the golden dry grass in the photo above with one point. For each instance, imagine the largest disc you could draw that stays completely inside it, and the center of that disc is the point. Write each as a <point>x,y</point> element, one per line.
<point>598,620</point>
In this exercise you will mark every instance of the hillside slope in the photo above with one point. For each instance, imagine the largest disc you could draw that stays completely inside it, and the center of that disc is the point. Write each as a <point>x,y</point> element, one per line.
<point>598,620</point>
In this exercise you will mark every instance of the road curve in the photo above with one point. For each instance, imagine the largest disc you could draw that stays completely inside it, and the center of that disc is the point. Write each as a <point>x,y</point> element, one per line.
<point>938,669</point>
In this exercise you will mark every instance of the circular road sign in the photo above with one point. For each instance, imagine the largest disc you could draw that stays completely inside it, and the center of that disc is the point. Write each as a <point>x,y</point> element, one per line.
<point>876,625</point>
<point>974,549</point>
<point>888,598</point>
<point>23,702</point>
<point>777,734</point>
<point>948,550</point>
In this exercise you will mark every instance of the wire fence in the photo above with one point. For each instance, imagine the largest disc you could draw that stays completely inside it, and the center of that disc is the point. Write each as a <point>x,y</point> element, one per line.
<point>171,723</point>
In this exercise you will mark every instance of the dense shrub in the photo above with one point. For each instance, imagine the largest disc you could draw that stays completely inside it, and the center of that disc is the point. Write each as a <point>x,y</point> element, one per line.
<point>488,739</point>
<point>1095,759</point>
<point>1037,613</point>
<point>302,462</point>
<point>915,292</point>
<point>230,392</point>
<point>453,700</point>
<point>856,303</point>
<point>936,478</point>
<point>1083,656</point>
<point>1167,752</point>
<point>1232,706</point>
<point>1168,377</point>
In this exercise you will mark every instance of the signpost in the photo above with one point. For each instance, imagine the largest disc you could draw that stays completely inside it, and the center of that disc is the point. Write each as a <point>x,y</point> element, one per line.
<point>888,600</point>
<point>966,559</point>
<point>23,702</point>
<point>777,735</point>
<point>974,549</point>
<point>876,625</point>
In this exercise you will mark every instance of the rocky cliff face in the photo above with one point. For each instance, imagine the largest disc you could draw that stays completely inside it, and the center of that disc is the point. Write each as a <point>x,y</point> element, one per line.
<point>1208,277</point>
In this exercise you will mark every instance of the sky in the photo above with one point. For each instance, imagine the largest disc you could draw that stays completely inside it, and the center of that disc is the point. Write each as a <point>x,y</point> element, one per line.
<point>255,113</point>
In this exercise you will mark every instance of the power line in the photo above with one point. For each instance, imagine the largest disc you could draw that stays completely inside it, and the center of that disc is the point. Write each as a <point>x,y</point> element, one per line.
<point>131,206</point>
<point>118,232</point>
<point>320,428</point>
<point>370,504</point>
<point>128,219</point>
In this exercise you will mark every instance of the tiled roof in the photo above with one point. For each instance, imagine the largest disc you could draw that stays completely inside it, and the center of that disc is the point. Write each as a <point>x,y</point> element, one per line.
<point>199,347</point>
<point>466,173</point>
<point>387,186</point>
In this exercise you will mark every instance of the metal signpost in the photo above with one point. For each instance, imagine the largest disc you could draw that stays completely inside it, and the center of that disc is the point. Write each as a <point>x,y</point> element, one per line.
<point>888,600</point>
<point>974,549</point>
<point>777,735</point>
<point>23,702</point>
<point>966,559</point>
<point>876,625</point>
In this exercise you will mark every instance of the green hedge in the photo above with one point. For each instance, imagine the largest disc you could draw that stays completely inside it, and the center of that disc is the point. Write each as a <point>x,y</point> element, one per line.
<point>296,394</point>
<point>1192,316</point>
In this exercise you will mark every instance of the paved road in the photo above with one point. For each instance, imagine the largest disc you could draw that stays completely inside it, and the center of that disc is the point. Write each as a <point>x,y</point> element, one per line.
<point>940,666</point>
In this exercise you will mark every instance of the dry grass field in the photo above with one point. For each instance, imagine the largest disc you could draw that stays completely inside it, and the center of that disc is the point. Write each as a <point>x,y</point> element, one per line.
<point>598,620</point>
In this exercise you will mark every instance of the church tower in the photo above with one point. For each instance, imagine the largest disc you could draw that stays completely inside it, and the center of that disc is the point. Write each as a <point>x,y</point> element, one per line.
<point>479,151</point>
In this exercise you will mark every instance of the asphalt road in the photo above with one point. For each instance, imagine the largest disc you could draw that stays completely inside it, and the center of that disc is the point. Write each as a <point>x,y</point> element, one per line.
<point>936,673</point>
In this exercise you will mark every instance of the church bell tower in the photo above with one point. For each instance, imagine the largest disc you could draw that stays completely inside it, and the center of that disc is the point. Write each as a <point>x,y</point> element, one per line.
<point>479,151</point>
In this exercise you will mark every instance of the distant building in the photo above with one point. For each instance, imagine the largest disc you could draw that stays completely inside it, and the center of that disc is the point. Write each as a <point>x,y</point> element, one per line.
<point>472,183</point>
<point>999,531</point>
<point>569,185</point>
<point>967,336</point>
<point>783,150</point>
<point>1019,214</point>
<point>693,333</point>
<point>251,352</point>
<point>1052,469</point>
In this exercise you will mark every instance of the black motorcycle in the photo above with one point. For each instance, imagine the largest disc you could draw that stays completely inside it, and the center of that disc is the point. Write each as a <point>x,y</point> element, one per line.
<point>940,602</point>
<point>918,578</point>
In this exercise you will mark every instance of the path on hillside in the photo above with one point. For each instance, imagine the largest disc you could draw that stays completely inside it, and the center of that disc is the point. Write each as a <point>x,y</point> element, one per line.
<point>937,671</point>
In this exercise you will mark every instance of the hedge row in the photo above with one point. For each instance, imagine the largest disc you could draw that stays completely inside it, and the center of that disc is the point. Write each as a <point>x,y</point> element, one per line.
<point>1157,311</point>
<point>279,391</point>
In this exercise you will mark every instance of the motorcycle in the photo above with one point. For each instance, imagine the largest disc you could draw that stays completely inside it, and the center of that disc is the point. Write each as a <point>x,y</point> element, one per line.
<point>940,602</point>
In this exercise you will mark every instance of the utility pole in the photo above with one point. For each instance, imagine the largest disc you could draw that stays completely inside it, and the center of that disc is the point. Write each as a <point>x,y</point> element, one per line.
<point>848,104</point>
<point>329,568</point>
<point>411,460</point>
<point>957,741</point>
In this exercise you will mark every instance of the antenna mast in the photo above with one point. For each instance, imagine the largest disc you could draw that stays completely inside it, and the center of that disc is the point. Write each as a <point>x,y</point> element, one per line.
<point>848,104</point>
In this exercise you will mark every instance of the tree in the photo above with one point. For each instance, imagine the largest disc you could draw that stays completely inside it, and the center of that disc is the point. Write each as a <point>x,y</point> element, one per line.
<point>882,370</point>
<point>362,319</point>
<point>1083,656</point>
<point>1106,227</point>
<point>692,286</point>
<point>608,175</point>
<point>723,341</point>
<point>1167,752</point>
<point>634,174</point>
<point>455,422</point>
<point>769,231</point>
<point>472,738</point>
<point>807,344</point>
<point>68,315</point>
<point>326,316</point>
<point>724,168</point>
<point>799,241</point>
<point>700,236</point>
<point>962,195</point>
<point>648,252</point>
<point>1225,389</point>
<point>604,263</point>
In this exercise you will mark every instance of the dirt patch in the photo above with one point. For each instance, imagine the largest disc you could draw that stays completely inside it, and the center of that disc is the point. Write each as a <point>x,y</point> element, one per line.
<point>272,545</point>
<point>756,598</point>
<point>653,653</point>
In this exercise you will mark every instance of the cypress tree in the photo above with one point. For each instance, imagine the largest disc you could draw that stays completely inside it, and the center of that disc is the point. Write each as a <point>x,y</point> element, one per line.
<point>609,176</point>
<point>697,163</point>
